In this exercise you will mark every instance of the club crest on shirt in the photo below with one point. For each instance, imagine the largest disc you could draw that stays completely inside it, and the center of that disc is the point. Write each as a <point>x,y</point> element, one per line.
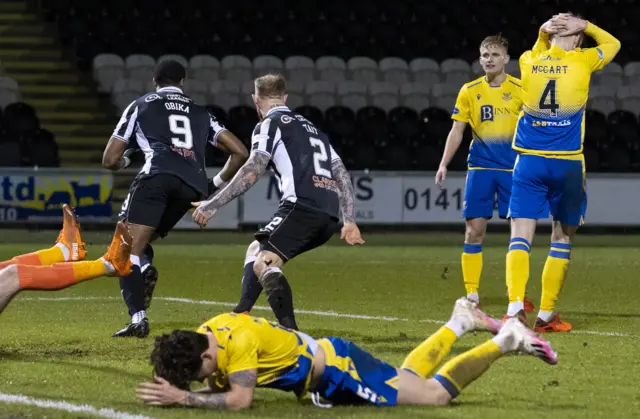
<point>478,96</point>
<point>506,96</point>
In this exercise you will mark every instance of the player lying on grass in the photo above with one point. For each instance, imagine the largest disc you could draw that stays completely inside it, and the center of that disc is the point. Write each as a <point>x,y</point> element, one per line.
<point>237,353</point>
<point>62,265</point>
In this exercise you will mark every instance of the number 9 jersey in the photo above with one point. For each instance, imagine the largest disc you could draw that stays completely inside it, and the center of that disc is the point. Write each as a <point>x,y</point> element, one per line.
<point>301,159</point>
<point>555,89</point>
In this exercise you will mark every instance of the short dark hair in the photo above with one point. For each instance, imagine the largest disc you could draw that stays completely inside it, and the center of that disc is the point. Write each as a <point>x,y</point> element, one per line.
<point>176,357</point>
<point>169,73</point>
<point>271,85</point>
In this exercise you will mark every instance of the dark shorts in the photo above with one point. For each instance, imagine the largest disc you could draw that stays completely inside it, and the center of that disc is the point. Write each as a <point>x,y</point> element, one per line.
<point>159,201</point>
<point>294,230</point>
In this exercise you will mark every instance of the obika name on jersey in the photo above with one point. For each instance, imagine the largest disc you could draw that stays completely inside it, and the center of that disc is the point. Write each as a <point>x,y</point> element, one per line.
<point>172,132</point>
<point>301,159</point>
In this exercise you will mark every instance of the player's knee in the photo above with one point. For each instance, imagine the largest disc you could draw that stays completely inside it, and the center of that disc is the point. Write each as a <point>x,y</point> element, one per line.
<point>266,260</point>
<point>254,249</point>
<point>561,233</point>
<point>524,228</point>
<point>474,232</point>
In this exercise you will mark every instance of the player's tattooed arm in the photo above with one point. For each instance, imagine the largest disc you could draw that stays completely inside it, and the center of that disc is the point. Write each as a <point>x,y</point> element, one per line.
<point>246,177</point>
<point>345,191</point>
<point>240,397</point>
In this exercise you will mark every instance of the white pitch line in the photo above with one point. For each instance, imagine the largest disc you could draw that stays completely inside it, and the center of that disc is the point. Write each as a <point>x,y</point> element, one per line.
<point>301,311</point>
<point>68,407</point>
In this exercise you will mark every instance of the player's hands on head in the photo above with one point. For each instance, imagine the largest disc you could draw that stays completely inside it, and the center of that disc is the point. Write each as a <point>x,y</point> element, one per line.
<point>567,25</point>
<point>441,176</point>
<point>203,213</point>
<point>160,393</point>
<point>351,234</point>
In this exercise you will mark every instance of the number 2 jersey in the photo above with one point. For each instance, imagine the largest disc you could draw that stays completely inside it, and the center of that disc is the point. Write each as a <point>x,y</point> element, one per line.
<point>555,89</point>
<point>173,133</point>
<point>301,159</point>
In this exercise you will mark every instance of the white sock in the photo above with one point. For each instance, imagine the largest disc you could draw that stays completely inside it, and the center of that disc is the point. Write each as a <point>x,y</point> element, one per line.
<point>108,266</point>
<point>514,308</point>
<point>545,315</point>
<point>249,260</point>
<point>505,341</point>
<point>138,317</point>
<point>473,297</point>
<point>456,326</point>
<point>135,259</point>
<point>65,251</point>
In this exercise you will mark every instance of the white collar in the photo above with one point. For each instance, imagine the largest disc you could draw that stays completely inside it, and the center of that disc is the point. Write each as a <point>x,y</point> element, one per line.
<point>278,108</point>
<point>170,89</point>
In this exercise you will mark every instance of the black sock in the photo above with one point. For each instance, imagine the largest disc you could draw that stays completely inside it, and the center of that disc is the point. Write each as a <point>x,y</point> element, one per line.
<point>132,288</point>
<point>251,290</point>
<point>280,298</point>
<point>147,256</point>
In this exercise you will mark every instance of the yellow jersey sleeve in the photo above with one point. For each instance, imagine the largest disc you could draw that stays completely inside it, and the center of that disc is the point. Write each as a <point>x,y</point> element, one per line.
<point>603,54</point>
<point>462,110</point>
<point>542,43</point>
<point>242,352</point>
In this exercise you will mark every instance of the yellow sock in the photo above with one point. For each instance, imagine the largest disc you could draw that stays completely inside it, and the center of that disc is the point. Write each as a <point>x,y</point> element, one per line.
<point>472,267</point>
<point>465,368</point>
<point>424,359</point>
<point>89,269</point>
<point>553,275</point>
<point>517,274</point>
<point>52,255</point>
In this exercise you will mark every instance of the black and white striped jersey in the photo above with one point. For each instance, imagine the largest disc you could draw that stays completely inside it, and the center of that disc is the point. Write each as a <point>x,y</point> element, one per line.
<point>172,132</point>
<point>301,158</point>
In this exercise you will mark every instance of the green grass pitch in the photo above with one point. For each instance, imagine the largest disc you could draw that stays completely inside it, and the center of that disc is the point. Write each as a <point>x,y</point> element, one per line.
<point>61,350</point>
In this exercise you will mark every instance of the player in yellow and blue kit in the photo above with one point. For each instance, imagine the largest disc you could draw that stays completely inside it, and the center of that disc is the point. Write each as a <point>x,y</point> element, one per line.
<point>490,105</point>
<point>237,353</point>
<point>550,168</point>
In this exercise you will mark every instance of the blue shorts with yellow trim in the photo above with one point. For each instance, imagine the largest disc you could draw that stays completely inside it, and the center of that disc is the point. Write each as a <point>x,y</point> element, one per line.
<point>354,376</point>
<point>484,188</point>
<point>544,182</point>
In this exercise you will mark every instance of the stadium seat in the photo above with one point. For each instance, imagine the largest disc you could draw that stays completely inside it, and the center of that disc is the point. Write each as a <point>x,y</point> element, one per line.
<point>425,157</point>
<point>353,95</point>
<point>140,67</point>
<point>300,68</point>
<point>236,68</point>
<point>125,91</point>
<point>9,91</point>
<point>265,64</point>
<point>242,121</point>
<point>629,98</point>
<point>218,113</point>
<point>445,95</point>
<point>623,126</point>
<point>175,57</point>
<point>394,70</point>
<point>197,90</point>
<point>225,93</point>
<point>365,158</point>
<point>601,98</point>
<point>435,123</point>
<point>384,95</point>
<point>596,130</point>
<point>425,70</point>
<point>248,88</point>
<point>321,94</point>
<point>611,76</point>
<point>415,95</point>
<point>455,71</point>
<point>40,148</point>
<point>513,68</point>
<point>10,152</point>
<point>313,114</point>
<point>403,122</point>
<point>618,158</point>
<point>591,158</point>
<point>204,68</point>
<point>396,157</point>
<point>632,73</point>
<point>107,69</point>
<point>363,69</point>
<point>476,69</point>
<point>295,94</point>
<point>371,123</point>
<point>331,69</point>
<point>340,121</point>
<point>19,118</point>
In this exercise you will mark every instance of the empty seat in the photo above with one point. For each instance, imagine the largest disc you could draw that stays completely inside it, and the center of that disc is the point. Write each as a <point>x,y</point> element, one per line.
<point>204,68</point>
<point>425,70</point>
<point>321,94</point>
<point>125,91</point>
<point>610,76</point>
<point>295,94</point>
<point>384,95</point>
<point>455,71</point>
<point>372,123</point>
<point>197,90</point>
<point>9,91</point>
<point>394,70</point>
<point>247,89</point>
<point>396,157</point>
<point>445,96</point>
<point>363,69</point>
<point>10,153</point>
<point>331,69</point>
<point>632,73</point>
<point>313,114</point>
<point>40,148</point>
<point>242,121</point>
<point>513,68</point>
<point>265,64</point>
<point>140,67</point>
<point>596,130</point>
<point>353,95</point>
<point>300,68</point>
<point>225,93</point>
<point>476,68</point>
<point>19,118</point>
<point>218,113</point>
<point>340,121</point>
<point>415,95</point>
<point>174,57</point>
<point>403,122</point>
<point>365,157</point>
<point>629,98</point>
<point>236,68</point>
<point>107,68</point>
<point>601,98</point>
<point>623,126</point>
<point>435,123</point>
